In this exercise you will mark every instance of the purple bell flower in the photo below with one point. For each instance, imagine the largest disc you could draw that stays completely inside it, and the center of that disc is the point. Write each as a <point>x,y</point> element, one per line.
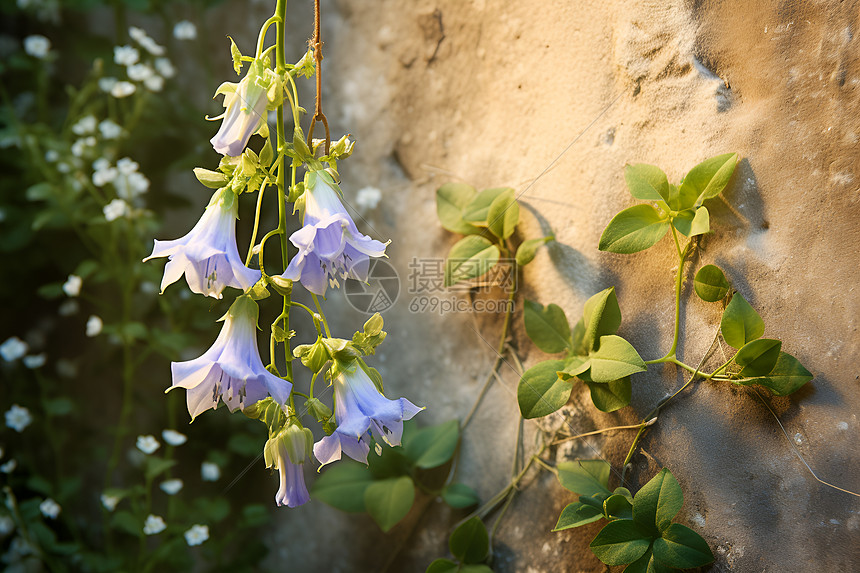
<point>287,453</point>
<point>361,410</point>
<point>329,243</point>
<point>208,255</point>
<point>231,370</point>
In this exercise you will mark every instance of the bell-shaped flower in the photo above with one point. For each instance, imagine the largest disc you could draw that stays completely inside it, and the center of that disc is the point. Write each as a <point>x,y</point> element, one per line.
<point>208,255</point>
<point>329,243</point>
<point>360,409</point>
<point>245,104</point>
<point>231,369</point>
<point>287,452</point>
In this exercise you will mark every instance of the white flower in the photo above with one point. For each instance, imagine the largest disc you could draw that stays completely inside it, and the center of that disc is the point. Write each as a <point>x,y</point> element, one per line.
<point>107,84</point>
<point>185,30</point>
<point>127,165</point>
<point>37,46</point>
<point>154,83</point>
<point>125,55</point>
<point>115,209</point>
<point>72,286</point>
<point>79,147</point>
<point>94,326</point>
<point>52,155</point>
<point>50,508</point>
<point>109,501</point>
<point>147,444</point>
<point>18,418</point>
<point>13,349</point>
<point>110,129</point>
<point>7,525</point>
<point>137,33</point>
<point>140,72</point>
<point>164,67</point>
<point>210,471</point>
<point>174,438</point>
<point>152,46</point>
<point>122,89</point>
<point>63,167</point>
<point>368,198</point>
<point>102,177</point>
<point>197,534</point>
<point>9,467</point>
<point>35,361</point>
<point>130,186</point>
<point>68,308</point>
<point>154,525</point>
<point>171,486</point>
<point>85,125</point>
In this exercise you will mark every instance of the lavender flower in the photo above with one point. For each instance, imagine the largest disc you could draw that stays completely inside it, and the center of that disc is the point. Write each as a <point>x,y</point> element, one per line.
<point>287,452</point>
<point>329,243</point>
<point>231,369</point>
<point>245,105</point>
<point>207,255</point>
<point>360,409</point>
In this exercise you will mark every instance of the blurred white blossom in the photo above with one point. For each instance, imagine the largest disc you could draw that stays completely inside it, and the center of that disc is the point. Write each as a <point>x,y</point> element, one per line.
<point>140,72</point>
<point>210,471</point>
<point>147,43</point>
<point>94,325</point>
<point>13,349</point>
<point>50,508</point>
<point>52,155</point>
<point>110,129</point>
<point>85,125</point>
<point>107,84</point>
<point>171,486</point>
<point>9,467</point>
<point>18,418</point>
<point>164,67</point>
<point>154,524</point>
<point>125,55</point>
<point>7,525</point>
<point>35,360</point>
<point>197,534</point>
<point>68,308</point>
<point>109,501</point>
<point>154,83</point>
<point>72,286</point>
<point>37,46</point>
<point>147,444</point>
<point>115,209</point>
<point>185,30</point>
<point>122,89</point>
<point>174,438</point>
<point>367,199</point>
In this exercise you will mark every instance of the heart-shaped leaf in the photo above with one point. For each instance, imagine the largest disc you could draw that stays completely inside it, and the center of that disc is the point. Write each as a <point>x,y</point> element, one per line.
<point>740,323</point>
<point>621,541</point>
<point>711,284</point>
<point>758,357</point>
<point>541,391</point>
<point>546,326</point>
<point>451,199</point>
<point>470,258</point>
<point>634,229</point>
<point>577,514</point>
<point>681,547</point>
<point>503,215</point>
<point>647,182</point>
<point>614,359</point>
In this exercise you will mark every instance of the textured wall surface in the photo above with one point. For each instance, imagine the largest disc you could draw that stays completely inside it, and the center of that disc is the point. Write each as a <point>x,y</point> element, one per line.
<point>490,92</point>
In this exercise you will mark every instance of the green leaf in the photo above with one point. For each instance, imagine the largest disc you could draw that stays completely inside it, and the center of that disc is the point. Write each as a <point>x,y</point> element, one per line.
<point>681,198</point>
<point>787,376</point>
<point>342,486</point>
<point>647,564</point>
<point>60,406</point>
<point>540,391</point>
<point>155,466</point>
<point>620,542</point>
<point>601,316</point>
<point>546,326</point>
<point>575,366</point>
<point>388,501</point>
<point>614,359</point>
<point>708,179</point>
<point>711,284</point>
<point>211,179</point>
<point>611,396</point>
<point>646,182</point>
<point>431,447</point>
<point>528,249</point>
<point>451,199</point>
<point>683,221</point>
<point>578,337</point>
<point>740,323</point>
<point>701,222</point>
<point>469,258</point>
<point>617,506</point>
<point>577,514</point>
<point>634,229</point>
<point>758,357</point>
<point>127,522</point>
<point>658,502</point>
<point>681,547</point>
<point>478,209</point>
<point>460,495</point>
<point>503,215</point>
<point>585,477</point>
<point>443,566</point>
<point>469,543</point>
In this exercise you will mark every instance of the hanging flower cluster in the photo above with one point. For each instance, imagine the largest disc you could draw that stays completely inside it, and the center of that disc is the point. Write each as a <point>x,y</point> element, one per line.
<point>330,248</point>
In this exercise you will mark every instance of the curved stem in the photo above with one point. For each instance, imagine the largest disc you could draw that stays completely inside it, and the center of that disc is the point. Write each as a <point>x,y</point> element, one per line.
<point>256,222</point>
<point>262,37</point>
<point>322,315</point>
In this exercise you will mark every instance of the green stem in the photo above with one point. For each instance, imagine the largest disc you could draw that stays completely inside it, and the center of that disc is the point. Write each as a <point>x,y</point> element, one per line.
<point>256,222</point>
<point>322,315</point>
